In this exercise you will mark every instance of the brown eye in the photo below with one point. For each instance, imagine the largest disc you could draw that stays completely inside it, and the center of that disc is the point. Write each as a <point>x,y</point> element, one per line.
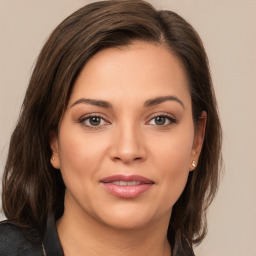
<point>160,120</point>
<point>93,121</point>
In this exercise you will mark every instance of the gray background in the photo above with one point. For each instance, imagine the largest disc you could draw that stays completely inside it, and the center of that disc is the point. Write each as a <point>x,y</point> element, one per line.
<point>227,28</point>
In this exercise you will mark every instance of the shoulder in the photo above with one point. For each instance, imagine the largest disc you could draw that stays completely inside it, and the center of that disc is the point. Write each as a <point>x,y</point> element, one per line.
<point>10,237</point>
<point>13,242</point>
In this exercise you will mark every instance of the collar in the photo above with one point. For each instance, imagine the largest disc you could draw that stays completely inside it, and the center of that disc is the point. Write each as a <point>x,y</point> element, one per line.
<point>51,239</point>
<point>53,247</point>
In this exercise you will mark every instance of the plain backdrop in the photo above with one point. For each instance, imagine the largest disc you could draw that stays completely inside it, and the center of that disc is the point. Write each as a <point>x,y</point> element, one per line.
<point>228,30</point>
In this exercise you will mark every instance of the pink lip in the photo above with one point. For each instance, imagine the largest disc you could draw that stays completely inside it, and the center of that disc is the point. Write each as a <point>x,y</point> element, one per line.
<point>129,191</point>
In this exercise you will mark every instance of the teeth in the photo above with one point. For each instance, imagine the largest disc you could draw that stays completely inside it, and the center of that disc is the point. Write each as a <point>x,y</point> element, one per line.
<point>126,183</point>
<point>123,183</point>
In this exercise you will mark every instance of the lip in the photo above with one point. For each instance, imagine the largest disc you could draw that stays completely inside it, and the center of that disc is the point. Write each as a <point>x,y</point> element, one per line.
<point>127,191</point>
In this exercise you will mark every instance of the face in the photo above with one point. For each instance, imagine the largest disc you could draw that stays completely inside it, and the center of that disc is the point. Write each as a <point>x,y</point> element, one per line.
<point>126,142</point>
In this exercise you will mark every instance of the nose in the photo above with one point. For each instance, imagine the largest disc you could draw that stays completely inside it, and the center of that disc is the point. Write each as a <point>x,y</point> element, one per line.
<point>128,145</point>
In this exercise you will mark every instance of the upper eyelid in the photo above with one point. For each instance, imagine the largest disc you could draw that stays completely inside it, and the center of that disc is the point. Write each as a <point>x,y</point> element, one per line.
<point>171,119</point>
<point>156,114</point>
<point>93,115</point>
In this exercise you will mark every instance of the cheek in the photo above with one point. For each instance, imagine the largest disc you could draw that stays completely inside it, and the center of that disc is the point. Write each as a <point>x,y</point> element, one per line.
<point>174,151</point>
<point>79,156</point>
<point>172,162</point>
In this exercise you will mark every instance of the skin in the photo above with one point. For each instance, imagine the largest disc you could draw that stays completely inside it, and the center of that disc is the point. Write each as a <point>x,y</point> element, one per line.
<point>128,139</point>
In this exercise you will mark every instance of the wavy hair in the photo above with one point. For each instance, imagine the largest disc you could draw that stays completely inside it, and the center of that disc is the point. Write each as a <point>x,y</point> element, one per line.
<point>32,188</point>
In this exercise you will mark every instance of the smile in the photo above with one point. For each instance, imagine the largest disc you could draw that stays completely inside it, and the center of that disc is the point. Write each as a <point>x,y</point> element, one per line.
<point>126,186</point>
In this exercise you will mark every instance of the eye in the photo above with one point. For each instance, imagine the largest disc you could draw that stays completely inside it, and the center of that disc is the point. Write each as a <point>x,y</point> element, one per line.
<point>93,121</point>
<point>162,120</point>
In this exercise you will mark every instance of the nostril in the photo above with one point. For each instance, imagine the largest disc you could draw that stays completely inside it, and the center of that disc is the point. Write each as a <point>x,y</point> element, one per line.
<point>127,159</point>
<point>126,150</point>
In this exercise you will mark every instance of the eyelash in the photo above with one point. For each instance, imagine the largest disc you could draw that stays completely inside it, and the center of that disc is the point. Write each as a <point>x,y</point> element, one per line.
<point>171,119</point>
<point>83,120</point>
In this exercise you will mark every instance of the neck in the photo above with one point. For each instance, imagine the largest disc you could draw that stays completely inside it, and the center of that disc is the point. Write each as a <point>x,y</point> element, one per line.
<point>80,234</point>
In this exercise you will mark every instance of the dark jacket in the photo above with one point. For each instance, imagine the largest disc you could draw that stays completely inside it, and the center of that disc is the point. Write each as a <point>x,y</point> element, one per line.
<point>14,243</point>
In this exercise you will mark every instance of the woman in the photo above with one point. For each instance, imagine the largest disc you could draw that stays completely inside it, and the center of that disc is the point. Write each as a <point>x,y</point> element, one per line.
<point>117,148</point>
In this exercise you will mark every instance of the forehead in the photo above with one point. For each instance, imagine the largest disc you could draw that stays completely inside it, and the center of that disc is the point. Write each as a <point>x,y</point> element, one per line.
<point>136,72</point>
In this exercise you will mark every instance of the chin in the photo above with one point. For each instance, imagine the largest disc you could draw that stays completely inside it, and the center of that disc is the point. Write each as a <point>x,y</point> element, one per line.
<point>126,223</point>
<point>128,217</point>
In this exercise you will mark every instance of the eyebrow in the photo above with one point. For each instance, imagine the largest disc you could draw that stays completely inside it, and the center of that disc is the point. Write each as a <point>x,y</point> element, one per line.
<point>99,103</point>
<point>159,100</point>
<point>148,103</point>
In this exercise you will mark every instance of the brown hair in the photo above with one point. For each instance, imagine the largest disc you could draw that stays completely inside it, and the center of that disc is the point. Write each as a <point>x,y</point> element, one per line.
<point>32,188</point>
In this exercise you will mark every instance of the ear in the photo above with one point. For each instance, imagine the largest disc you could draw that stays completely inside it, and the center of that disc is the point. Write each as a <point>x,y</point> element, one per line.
<point>55,160</point>
<point>198,140</point>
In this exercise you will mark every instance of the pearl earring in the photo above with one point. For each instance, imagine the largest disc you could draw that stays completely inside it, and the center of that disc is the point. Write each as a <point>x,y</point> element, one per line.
<point>194,163</point>
<point>53,158</point>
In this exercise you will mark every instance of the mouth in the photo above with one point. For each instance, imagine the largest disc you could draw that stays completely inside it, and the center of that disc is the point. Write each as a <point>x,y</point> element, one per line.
<point>125,183</point>
<point>124,186</point>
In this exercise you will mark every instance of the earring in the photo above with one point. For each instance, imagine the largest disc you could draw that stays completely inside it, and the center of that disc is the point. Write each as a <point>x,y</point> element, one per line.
<point>53,158</point>
<point>194,163</point>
